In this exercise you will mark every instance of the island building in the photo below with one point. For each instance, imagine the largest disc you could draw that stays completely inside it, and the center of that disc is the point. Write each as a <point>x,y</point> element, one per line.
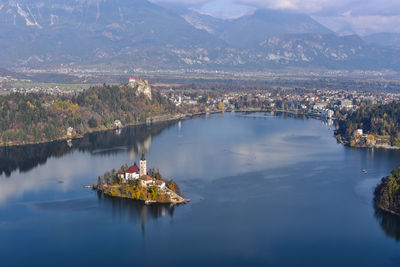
<point>160,184</point>
<point>143,166</point>
<point>146,180</point>
<point>134,172</point>
<point>140,173</point>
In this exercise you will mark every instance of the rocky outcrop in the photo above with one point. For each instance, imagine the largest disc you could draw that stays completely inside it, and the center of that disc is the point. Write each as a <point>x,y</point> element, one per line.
<point>143,87</point>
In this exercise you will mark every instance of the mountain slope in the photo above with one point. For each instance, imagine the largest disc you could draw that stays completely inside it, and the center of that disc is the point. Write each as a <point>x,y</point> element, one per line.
<point>249,31</point>
<point>207,23</point>
<point>384,39</point>
<point>61,31</point>
<point>329,51</point>
<point>127,34</point>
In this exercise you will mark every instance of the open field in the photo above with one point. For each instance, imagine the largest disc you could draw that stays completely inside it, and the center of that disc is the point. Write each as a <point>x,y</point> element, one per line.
<point>65,86</point>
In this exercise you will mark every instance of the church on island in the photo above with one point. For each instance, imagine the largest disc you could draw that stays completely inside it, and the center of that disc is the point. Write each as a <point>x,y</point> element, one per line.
<point>140,173</point>
<point>139,183</point>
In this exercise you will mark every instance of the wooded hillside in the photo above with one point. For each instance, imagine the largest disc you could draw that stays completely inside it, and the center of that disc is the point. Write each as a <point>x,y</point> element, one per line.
<point>31,118</point>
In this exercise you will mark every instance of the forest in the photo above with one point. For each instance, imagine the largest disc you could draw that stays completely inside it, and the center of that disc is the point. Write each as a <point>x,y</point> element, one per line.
<point>36,118</point>
<point>387,194</point>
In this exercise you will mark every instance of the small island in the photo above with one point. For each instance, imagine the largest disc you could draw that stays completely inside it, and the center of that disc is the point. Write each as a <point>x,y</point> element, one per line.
<point>387,193</point>
<point>137,183</point>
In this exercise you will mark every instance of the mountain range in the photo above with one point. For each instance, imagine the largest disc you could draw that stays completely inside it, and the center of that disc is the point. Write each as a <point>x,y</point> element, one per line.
<point>123,34</point>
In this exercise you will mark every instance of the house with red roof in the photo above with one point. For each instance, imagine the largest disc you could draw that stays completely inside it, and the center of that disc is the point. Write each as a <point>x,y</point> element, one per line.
<point>160,184</point>
<point>132,173</point>
<point>146,180</point>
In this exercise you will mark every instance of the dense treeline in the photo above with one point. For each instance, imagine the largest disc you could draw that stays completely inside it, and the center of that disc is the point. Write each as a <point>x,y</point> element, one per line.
<point>31,118</point>
<point>387,193</point>
<point>377,120</point>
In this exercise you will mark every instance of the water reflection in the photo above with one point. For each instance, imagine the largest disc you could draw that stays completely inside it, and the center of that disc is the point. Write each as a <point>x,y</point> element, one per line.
<point>390,223</point>
<point>132,210</point>
<point>263,189</point>
<point>136,139</point>
<point>333,124</point>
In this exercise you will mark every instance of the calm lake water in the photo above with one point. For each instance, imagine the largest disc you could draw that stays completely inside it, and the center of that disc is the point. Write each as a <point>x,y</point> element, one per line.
<point>265,190</point>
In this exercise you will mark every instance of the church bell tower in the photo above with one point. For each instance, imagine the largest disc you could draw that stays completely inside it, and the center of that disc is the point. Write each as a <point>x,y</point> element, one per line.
<point>143,166</point>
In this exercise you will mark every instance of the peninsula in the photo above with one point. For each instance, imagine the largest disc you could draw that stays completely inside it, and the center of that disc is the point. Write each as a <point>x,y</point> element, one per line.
<point>137,183</point>
<point>371,126</point>
<point>31,118</point>
<point>387,193</point>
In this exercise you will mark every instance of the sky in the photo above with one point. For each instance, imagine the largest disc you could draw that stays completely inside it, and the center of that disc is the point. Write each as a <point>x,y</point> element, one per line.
<point>343,16</point>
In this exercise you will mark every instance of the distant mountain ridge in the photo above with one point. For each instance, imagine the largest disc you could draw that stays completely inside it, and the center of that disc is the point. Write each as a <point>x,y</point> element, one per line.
<point>125,34</point>
<point>69,31</point>
<point>329,51</point>
<point>250,30</point>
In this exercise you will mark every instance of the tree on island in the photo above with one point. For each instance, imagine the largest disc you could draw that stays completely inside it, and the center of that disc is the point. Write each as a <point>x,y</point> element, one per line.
<point>92,122</point>
<point>107,177</point>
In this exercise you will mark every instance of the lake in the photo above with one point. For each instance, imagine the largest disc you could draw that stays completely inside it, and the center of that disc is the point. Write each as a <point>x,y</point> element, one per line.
<point>265,190</point>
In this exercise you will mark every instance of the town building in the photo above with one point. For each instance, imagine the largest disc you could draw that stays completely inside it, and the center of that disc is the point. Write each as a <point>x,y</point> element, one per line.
<point>320,105</point>
<point>70,131</point>
<point>117,124</point>
<point>346,103</point>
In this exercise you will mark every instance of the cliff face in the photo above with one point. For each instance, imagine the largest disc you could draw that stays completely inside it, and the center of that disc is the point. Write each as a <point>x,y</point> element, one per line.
<point>143,87</point>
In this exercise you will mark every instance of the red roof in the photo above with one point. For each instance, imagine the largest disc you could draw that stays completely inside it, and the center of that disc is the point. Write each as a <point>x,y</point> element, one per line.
<point>133,169</point>
<point>159,182</point>
<point>137,79</point>
<point>146,178</point>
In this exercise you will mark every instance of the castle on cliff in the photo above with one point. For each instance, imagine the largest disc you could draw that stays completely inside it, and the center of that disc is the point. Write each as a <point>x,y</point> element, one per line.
<point>143,86</point>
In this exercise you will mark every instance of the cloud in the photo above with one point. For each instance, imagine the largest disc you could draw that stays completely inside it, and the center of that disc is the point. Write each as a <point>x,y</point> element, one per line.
<point>344,16</point>
<point>225,9</point>
<point>362,25</point>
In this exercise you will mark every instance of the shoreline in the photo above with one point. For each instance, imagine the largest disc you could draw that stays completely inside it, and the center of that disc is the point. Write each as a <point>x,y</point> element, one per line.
<point>97,130</point>
<point>386,209</point>
<point>379,146</point>
<point>173,197</point>
<point>149,122</point>
<point>147,202</point>
<point>190,115</point>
